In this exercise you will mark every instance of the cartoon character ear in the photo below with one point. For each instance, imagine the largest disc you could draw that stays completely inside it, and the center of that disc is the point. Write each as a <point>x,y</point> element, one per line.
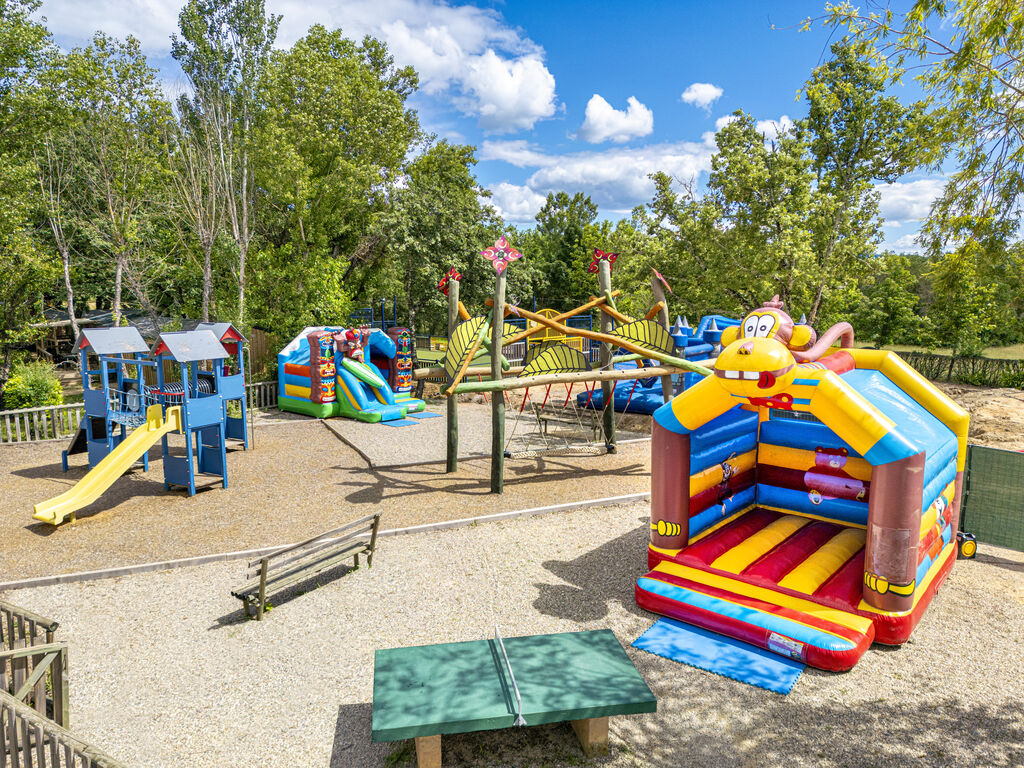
<point>730,334</point>
<point>803,337</point>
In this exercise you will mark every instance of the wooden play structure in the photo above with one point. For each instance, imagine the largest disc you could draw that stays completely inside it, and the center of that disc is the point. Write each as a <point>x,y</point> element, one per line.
<point>555,352</point>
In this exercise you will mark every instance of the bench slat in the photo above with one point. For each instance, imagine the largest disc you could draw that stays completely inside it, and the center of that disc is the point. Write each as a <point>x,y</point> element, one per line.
<point>299,574</point>
<point>273,563</point>
<point>317,538</point>
<point>307,559</point>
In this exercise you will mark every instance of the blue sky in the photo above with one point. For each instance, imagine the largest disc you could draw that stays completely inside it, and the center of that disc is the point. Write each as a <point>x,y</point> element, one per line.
<point>564,94</point>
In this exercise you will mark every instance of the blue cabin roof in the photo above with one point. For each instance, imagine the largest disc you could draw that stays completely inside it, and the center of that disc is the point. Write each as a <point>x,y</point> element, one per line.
<point>189,346</point>
<point>112,341</point>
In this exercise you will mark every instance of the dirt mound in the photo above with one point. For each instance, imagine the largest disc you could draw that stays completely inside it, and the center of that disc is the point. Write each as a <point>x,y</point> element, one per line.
<point>997,415</point>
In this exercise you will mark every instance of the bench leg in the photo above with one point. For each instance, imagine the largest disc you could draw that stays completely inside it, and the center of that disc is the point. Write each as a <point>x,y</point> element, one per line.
<point>428,751</point>
<point>593,735</point>
<point>356,559</point>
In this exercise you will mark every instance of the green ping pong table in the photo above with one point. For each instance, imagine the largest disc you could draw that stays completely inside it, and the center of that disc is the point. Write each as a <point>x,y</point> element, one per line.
<point>426,691</point>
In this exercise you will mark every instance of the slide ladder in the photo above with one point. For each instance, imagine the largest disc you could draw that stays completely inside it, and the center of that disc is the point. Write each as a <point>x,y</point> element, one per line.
<point>113,465</point>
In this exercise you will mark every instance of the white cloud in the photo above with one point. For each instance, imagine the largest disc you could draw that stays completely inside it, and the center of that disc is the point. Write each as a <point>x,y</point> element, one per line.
<point>902,201</point>
<point>515,203</point>
<point>508,94</point>
<point>905,244</point>
<point>702,95</point>
<point>772,128</point>
<point>724,120</point>
<point>616,179</point>
<point>490,69</point>
<point>518,152</point>
<point>603,122</point>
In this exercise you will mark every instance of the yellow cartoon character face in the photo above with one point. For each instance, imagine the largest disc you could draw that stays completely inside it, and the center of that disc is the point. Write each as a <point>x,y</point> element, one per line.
<point>755,367</point>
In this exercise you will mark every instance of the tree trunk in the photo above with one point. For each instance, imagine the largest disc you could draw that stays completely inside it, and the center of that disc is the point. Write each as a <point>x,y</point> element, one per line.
<point>118,279</point>
<point>66,258</point>
<point>243,249</point>
<point>207,280</point>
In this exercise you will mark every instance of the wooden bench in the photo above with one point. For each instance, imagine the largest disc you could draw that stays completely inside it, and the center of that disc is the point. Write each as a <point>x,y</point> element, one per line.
<point>298,562</point>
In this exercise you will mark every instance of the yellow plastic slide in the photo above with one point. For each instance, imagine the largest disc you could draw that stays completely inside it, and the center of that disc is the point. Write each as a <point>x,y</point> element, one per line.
<point>113,465</point>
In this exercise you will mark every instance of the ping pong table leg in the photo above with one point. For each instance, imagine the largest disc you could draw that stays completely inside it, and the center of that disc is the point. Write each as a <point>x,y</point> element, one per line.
<point>428,751</point>
<point>593,735</point>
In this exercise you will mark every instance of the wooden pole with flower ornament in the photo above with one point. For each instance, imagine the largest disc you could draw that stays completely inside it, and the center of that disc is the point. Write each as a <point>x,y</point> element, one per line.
<point>501,254</point>
<point>449,286</point>
<point>602,265</point>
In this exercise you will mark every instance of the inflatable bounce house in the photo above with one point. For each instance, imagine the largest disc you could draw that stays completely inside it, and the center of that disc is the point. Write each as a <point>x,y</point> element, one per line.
<point>644,395</point>
<point>357,373</point>
<point>805,498</point>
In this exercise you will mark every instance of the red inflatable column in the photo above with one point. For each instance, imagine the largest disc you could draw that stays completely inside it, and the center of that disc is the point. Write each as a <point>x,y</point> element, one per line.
<point>670,488</point>
<point>894,531</point>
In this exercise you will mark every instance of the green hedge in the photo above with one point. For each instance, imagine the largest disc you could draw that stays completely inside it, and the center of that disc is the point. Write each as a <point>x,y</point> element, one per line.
<point>32,385</point>
<point>980,371</point>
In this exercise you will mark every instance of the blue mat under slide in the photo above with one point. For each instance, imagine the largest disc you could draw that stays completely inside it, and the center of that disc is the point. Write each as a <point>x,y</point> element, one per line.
<point>424,415</point>
<point>397,423</point>
<point>722,655</point>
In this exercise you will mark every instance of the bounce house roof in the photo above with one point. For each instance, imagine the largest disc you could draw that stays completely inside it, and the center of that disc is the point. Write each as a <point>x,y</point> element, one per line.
<point>871,414</point>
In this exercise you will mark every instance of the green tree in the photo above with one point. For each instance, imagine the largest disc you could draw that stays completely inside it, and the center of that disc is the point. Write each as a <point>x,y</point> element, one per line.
<point>120,123</point>
<point>27,270</point>
<point>889,309</point>
<point>858,136</point>
<point>563,254</point>
<point>224,49</point>
<point>965,310</point>
<point>437,222</point>
<point>331,144</point>
<point>968,58</point>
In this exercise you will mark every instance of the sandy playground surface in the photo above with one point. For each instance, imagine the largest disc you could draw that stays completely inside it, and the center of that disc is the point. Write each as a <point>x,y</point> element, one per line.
<point>165,674</point>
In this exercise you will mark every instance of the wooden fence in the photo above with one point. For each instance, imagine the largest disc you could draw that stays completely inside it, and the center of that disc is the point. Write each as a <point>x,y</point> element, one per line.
<point>33,667</point>
<point>34,698</point>
<point>49,422</point>
<point>59,422</point>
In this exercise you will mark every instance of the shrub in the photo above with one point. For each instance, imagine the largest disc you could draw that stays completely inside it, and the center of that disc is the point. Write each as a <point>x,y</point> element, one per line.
<point>32,385</point>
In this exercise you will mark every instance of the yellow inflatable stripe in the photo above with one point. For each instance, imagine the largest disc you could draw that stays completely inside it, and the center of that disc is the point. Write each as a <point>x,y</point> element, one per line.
<point>813,517</point>
<point>293,390</point>
<point>848,413</point>
<point>797,458</point>
<point>769,537</point>
<point>944,555</point>
<point>928,519</point>
<point>348,394</point>
<point>713,475</point>
<point>816,569</point>
<point>851,620</point>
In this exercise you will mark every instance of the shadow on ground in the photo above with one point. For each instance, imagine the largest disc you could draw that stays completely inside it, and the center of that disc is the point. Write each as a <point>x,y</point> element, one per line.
<point>596,579</point>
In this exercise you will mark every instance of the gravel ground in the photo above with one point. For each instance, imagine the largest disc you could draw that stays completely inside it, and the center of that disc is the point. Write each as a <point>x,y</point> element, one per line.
<point>165,674</point>
<point>298,480</point>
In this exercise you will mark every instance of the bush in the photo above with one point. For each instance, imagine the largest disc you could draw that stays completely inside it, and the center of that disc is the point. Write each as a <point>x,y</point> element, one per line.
<point>32,385</point>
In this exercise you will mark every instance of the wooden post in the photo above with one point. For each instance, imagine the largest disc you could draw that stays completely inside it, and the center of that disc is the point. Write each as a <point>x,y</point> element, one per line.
<point>428,751</point>
<point>452,463</point>
<point>498,401</point>
<point>659,296</point>
<point>593,735</point>
<point>263,590</point>
<point>604,277</point>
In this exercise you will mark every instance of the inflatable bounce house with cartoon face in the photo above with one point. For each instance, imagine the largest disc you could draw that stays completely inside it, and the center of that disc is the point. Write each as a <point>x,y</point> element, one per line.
<point>805,498</point>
